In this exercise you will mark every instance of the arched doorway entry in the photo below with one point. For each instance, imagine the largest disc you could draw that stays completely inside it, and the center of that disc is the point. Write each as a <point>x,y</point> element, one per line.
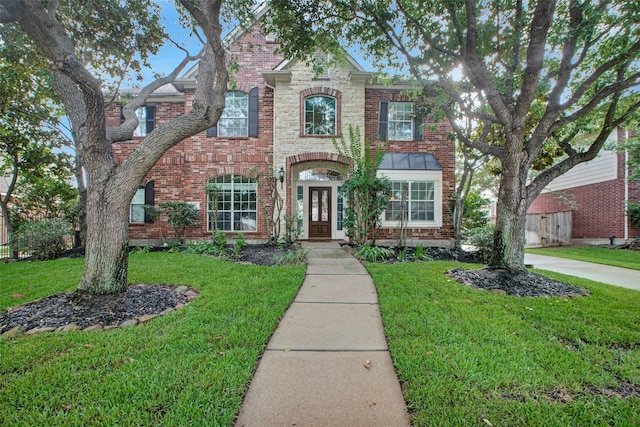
<point>317,200</point>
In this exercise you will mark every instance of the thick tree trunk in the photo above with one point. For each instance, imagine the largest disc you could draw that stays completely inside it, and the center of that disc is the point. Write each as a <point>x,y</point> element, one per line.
<point>509,236</point>
<point>106,254</point>
<point>511,218</point>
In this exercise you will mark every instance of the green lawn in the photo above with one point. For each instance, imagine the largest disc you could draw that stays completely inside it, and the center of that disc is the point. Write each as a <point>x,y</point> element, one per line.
<point>464,356</point>
<point>191,367</point>
<point>615,257</point>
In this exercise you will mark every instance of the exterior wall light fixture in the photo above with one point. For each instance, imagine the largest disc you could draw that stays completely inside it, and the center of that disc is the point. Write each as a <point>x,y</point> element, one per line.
<point>281,176</point>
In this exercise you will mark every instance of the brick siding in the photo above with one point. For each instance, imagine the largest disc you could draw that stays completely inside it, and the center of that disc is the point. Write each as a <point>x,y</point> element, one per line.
<point>597,209</point>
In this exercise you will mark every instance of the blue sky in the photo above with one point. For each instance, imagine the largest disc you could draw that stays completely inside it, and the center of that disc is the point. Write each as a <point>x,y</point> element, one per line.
<point>169,56</point>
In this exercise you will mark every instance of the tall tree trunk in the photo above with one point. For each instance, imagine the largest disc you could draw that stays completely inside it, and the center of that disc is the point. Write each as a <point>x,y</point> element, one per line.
<point>511,218</point>
<point>106,254</point>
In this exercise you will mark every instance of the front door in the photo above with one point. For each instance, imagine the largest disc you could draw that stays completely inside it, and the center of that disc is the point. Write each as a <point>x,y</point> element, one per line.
<point>320,212</point>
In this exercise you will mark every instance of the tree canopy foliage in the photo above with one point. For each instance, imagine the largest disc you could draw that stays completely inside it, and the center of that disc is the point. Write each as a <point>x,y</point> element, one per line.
<point>551,79</point>
<point>30,158</point>
<point>90,47</point>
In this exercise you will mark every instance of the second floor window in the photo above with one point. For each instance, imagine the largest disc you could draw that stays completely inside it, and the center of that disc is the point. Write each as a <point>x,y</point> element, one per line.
<point>400,121</point>
<point>234,121</point>
<point>319,115</point>
<point>146,120</point>
<point>239,118</point>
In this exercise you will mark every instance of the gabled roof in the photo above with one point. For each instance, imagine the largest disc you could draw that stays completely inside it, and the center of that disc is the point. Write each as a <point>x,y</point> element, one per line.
<point>410,161</point>
<point>282,68</point>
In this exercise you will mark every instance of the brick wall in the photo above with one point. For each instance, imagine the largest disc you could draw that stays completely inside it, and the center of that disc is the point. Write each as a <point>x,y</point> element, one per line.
<point>182,172</point>
<point>435,141</point>
<point>597,209</point>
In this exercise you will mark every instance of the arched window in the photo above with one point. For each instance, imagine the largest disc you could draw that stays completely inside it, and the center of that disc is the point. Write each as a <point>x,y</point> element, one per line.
<point>319,115</point>
<point>232,203</point>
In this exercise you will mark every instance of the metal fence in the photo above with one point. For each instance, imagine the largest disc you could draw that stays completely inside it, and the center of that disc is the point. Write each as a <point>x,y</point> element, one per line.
<point>4,247</point>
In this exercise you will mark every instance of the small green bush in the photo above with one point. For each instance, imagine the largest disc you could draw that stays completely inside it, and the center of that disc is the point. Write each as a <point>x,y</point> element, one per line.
<point>181,215</point>
<point>44,238</point>
<point>370,253</point>
<point>220,242</point>
<point>239,245</point>
<point>633,210</point>
<point>421,253</point>
<point>296,255</point>
<point>292,228</point>
<point>482,239</point>
<point>200,247</point>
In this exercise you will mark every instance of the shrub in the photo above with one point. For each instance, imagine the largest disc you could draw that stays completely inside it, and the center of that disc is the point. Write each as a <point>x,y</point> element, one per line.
<point>201,247</point>
<point>180,215</point>
<point>44,238</point>
<point>292,228</point>
<point>421,253</point>
<point>220,242</point>
<point>633,210</point>
<point>296,255</point>
<point>240,245</point>
<point>370,253</point>
<point>482,239</point>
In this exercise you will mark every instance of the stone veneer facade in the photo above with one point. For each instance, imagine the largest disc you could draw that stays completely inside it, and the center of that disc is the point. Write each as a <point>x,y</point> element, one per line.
<point>182,172</point>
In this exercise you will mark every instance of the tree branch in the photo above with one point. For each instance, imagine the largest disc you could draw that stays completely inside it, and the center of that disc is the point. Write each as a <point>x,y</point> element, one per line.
<point>542,18</point>
<point>478,74</point>
<point>126,129</point>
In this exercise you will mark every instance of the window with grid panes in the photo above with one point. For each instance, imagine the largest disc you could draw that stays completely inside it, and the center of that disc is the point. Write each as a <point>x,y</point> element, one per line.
<point>234,120</point>
<point>319,115</point>
<point>420,201</point>
<point>400,121</point>
<point>236,205</point>
<point>136,208</point>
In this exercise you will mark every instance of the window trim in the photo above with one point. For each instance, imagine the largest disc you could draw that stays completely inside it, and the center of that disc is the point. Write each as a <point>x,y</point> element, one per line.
<point>417,176</point>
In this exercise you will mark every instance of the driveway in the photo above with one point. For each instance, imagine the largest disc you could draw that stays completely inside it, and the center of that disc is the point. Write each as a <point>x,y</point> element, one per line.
<point>598,272</point>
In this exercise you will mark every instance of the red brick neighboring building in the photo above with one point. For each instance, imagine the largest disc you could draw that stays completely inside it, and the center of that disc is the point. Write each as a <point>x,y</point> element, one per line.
<point>596,193</point>
<point>280,116</point>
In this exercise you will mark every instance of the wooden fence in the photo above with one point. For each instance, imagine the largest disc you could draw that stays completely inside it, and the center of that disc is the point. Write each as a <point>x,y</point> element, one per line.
<point>548,229</point>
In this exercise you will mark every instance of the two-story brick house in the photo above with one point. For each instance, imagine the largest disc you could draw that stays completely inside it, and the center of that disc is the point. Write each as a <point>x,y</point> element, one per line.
<point>280,118</point>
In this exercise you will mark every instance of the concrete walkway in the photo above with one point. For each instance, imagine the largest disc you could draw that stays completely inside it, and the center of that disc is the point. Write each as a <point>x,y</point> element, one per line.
<point>597,272</point>
<point>327,363</point>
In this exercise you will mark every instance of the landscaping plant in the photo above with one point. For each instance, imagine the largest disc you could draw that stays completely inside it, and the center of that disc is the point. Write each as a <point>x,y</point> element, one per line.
<point>366,194</point>
<point>43,238</point>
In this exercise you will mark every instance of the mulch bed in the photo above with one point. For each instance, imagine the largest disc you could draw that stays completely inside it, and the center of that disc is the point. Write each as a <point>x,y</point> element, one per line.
<point>518,283</point>
<point>84,311</point>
